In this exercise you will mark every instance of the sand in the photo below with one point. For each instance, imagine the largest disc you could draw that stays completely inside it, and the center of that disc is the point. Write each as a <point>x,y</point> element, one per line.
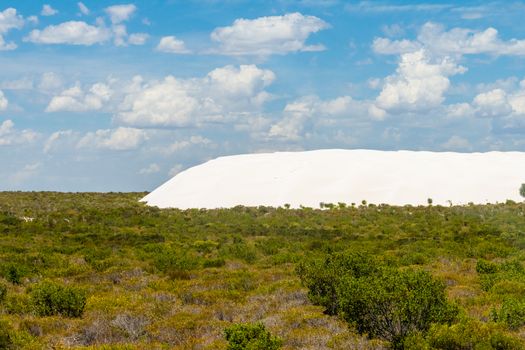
<point>348,176</point>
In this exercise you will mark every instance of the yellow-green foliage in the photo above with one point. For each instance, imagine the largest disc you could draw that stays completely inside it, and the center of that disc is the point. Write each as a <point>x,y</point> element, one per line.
<point>172,279</point>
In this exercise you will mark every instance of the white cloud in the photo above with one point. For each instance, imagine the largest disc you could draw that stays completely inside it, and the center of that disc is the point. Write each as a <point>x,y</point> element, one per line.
<point>195,140</point>
<point>120,13</point>
<point>9,19</point>
<point>177,168</point>
<point>418,83</point>
<point>72,32</point>
<point>224,94</point>
<point>150,169</point>
<point>311,110</point>
<point>32,19</point>
<point>120,139</point>
<point>75,99</point>
<point>393,30</point>
<point>456,143</point>
<point>171,44</point>
<point>47,10</point>
<point>493,103</point>
<point>455,42</point>
<point>372,6</point>
<point>138,38</point>
<point>55,138</point>
<point>3,101</point>
<point>269,35</point>
<point>83,8</point>
<point>11,136</point>
<point>18,84</point>
<point>50,82</point>
<point>27,172</point>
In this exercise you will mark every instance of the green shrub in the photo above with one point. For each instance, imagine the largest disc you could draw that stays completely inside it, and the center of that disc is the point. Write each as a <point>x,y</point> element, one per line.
<point>486,267</point>
<point>251,337</point>
<point>3,292</point>
<point>217,262</point>
<point>50,298</point>
<point>6,341</point>
<point>175,261</point>
<point>511,313</point>
<point>322,277</point>
<point>471,334</point>
<point>394,304</point>
<point>14,274</point>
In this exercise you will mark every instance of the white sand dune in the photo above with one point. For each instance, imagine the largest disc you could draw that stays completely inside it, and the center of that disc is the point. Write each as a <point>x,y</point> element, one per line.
<point>332,176</point>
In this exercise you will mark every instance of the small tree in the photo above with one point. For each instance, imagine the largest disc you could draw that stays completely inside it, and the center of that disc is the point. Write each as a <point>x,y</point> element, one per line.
<point>522,190</point>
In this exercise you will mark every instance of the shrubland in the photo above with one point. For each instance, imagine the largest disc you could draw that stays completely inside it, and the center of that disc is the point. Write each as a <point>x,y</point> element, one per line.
<point>103,271</point>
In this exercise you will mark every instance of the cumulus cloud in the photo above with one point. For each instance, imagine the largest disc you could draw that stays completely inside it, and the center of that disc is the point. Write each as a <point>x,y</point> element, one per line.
<point>455,42</point>
<point>150,169</point>
<point>75,99</point>
<point>195,140</point>
<point>83,8</point>
<point>11,136</point>
<point>17,84</point>
<point>50,82</point>
<point>138,38</point>
<point>177,168</point>
<point>27,172</point>
<point>418,83</point>
<point>225,93</point>
<point>171,44</point>
<point>492,103</point>
<point>120,139</point>
<point>55,138</point>
<point>9,19</point>
<point>269,35</point>
<point>456,143</point>
<point>72,33</point>
<point>298,114</point>
<point>120,13</point>
<point>47,10</point>
<point>3,101</point>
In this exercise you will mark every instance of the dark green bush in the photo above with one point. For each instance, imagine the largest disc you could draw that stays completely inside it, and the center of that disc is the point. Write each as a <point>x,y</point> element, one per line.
<point>486,267</point>
<point>13,274</point>
<point>251,337</point>
<point>394,304</point>
<point>218,262</point>
<point>511,313</point>
<point>3,292</point>
<point>173,260</point>
<point>49,298</point>
<point>323,276</point>
<point>471,334</point>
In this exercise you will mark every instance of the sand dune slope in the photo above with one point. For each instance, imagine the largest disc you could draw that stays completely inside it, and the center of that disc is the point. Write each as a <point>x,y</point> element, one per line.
<point>331,176</point>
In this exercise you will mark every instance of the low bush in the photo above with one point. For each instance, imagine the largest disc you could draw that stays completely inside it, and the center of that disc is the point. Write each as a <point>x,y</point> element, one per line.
<point>3,292</point>
<point>13,274</point>
<point>6,340</point>
<point>511,313</point>
<point>486,267</point>
<point>471,334</point>
<point>50,298</point>
<point>251,337</point>
<point>176,261</point>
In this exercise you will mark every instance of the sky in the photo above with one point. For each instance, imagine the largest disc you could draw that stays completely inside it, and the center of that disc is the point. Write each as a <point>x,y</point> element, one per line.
<point>121,96</point>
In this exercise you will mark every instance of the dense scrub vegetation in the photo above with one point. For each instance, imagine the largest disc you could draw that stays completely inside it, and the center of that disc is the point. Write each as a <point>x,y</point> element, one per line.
<point>102,271</point>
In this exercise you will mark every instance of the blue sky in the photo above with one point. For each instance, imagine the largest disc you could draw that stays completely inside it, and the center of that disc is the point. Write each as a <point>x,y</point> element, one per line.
<point>120,96</point>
